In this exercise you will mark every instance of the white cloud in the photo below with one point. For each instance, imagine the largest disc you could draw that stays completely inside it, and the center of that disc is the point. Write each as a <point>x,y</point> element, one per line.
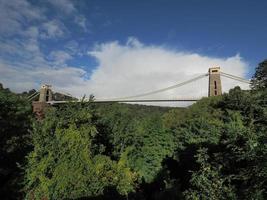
<point>14,14</point>
<point>24,78</point>
<point>72,47</point>
<point>21,51</point>
<point>22,18</point>
<point>128,69</point>
<point>23,64</point>
<point>81,21</point>
<point>68,8</point>
<point>134,68</point>
<point>31,32</point>
<point>64,5</point>
<point>53,29</point>
<point>59,57</point>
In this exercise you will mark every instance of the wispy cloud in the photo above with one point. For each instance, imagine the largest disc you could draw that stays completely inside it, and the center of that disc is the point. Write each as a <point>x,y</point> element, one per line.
<point>59,58</point>
<point>82,22</point>
<point>24,30</point>
<point>53,29</point>
<point>65,6</point>
<point>22,78</point>
<point>13,14</point>
<point>20,17</point>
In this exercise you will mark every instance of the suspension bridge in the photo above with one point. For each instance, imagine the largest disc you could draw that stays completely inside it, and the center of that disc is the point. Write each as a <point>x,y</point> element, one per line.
<point>214,89</point>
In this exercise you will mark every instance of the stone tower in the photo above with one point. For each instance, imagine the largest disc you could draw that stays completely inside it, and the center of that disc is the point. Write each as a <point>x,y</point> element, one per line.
<point>45,93</point>
<point>40,106</point>
<point>215,85</point>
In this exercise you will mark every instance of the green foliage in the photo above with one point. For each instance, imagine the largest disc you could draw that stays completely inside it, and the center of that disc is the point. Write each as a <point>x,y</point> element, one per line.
<point>121,125</point>
<point>15,116</point>
<point>232,129</point>
<point>259,80</point>
<point>15,122</point>
<point>208,183</point>
<point>251,105</point>
<point>243,156</point>
<point>65,162</point>
<point>136,133</point>
<point>146,156</point>
<point>201,123</point>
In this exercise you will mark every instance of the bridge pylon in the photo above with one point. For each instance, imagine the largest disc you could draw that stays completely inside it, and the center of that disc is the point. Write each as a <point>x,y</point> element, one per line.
<point>45,93</point>
<point>215,84</point>
<point>44,96</point>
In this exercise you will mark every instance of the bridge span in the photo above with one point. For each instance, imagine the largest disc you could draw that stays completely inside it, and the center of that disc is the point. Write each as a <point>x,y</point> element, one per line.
<point>127,101</point>
<point>214,89</point>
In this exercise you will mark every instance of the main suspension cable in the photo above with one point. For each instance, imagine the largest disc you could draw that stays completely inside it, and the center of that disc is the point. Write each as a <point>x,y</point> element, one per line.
<point>161,90</point>
<point>30,96</point>
<point>37,93</point>
<point>235,78</point>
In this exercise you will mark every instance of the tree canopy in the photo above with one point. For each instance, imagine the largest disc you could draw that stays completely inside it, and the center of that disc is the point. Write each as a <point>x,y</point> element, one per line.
<point>15,124</point>
<point>259,80</point>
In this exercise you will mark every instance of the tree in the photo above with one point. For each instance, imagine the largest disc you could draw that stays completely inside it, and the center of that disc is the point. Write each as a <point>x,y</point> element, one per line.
<point>208,183</point>
<point>15,124</point>
<point>232,128</point>
<point>155,144</point>
<point>66,162</point>
<point>259,80</point>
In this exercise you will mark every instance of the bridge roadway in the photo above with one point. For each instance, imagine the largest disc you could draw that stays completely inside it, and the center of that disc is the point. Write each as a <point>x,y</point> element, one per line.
<point>127,101</point>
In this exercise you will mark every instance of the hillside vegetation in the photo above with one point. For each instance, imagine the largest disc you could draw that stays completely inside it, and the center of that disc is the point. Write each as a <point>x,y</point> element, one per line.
<point>215,149</point>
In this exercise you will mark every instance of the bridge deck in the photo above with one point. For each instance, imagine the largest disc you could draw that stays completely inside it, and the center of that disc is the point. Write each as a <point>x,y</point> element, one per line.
<point>129,101</point>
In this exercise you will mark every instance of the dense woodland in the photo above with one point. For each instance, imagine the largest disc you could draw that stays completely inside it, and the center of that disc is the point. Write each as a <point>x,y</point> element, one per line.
<point>215,149</point>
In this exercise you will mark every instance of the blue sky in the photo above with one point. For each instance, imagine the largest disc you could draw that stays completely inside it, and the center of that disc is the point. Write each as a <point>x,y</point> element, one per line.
<point>216,28</point>
<point>85,42</point>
